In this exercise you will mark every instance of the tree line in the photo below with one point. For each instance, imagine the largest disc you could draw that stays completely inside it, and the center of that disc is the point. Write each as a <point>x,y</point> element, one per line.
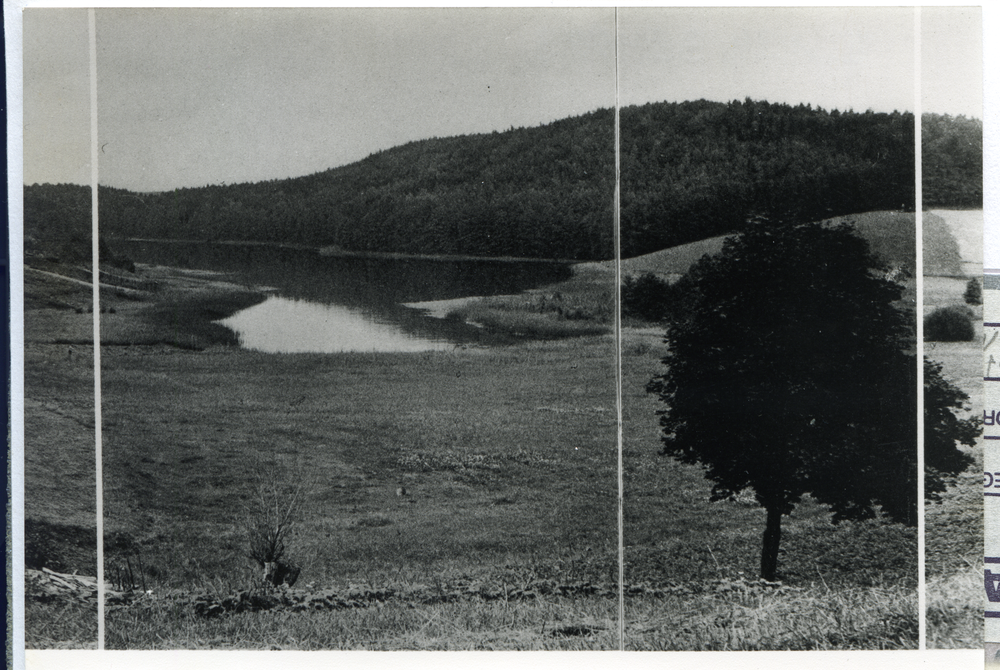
<point>952,161</point>
<point>689,171</point>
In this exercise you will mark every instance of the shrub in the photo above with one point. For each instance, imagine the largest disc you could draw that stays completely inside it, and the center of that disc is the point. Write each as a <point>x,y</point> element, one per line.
<point>949,324</point>
<point>973,292</point>
<point>269,512</point>
<point>647,297</point>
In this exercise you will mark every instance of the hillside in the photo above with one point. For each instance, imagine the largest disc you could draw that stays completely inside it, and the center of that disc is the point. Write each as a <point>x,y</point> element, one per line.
<point>698,169</point>
<point>544,192</point>
<point>891,235</point>
<point>689,171</point>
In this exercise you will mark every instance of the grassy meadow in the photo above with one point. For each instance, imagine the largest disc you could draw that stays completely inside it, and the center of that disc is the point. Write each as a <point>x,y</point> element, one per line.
<point>954,535</point>
<point>59,457</point>
<point>461,499</point>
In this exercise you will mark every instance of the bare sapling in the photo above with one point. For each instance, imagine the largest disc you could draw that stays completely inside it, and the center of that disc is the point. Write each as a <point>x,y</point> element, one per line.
<point>268,515</point>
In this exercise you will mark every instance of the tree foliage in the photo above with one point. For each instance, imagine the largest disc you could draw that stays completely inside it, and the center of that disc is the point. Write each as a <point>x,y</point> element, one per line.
<point>57,222</point>
<point>952,161</point>
<point>542,192</point>
<point>943,430</point>
<point>952,323</point>
<point>647,297</point>
<point>698,169</point>
<point>690,171</point>
<point>973,292</point>
<point>790,373</point>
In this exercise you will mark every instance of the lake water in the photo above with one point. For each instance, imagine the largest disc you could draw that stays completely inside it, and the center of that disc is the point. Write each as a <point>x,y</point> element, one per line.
<point>327,304</point>
<point>281,325</point>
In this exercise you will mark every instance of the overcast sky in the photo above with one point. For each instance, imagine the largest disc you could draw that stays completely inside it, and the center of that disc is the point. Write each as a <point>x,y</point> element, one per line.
<point>189,97</point>
<point>843,58</point>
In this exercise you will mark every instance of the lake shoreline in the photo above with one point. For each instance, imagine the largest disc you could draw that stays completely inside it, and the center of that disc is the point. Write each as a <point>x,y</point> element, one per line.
<point>333,251</point>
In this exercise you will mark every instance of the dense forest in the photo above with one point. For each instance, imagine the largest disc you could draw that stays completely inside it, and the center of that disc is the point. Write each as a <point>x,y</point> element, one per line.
<point>538,192</point>
<point>689,171</point>
<point>953,161</point>
<point>698,169</point>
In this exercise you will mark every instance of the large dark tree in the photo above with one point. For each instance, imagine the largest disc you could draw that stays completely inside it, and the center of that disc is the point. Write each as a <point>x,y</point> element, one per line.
<point>791,372</point>
<point>943,429</point>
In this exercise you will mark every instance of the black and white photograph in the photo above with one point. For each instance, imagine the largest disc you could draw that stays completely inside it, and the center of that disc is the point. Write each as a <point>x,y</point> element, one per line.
<point>501,329</point>
<point>357,331</point>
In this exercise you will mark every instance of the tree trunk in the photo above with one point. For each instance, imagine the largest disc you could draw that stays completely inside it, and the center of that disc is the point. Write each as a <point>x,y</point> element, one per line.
<point>772,540</point>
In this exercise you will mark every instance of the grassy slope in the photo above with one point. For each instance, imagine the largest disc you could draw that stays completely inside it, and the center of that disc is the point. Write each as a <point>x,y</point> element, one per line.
<point>890,234</point>
<point>941,251</point>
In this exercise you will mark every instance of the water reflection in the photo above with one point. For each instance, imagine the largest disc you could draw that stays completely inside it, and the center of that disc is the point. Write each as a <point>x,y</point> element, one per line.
<point>281,325</point>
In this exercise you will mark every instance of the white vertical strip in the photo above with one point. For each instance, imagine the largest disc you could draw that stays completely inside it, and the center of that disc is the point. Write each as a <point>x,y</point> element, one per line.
<point>918,212</point>
<point>618,361</point>
<point>96,286</point>
<point>12,29</point>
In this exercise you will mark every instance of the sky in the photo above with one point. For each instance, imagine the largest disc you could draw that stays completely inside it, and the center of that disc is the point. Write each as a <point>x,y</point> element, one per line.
<point>836,58</point>
<point>951,59</point>
<point>56,97</point>
<point>189,97</point>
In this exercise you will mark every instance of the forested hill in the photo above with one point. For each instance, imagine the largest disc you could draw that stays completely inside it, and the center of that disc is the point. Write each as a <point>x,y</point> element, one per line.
<point>690,171</point>
<point>953,161</point>
<point>698,169</point>
<point>540,192</point>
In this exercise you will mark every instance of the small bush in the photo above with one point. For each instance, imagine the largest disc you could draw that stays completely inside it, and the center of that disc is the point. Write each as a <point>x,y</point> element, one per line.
<point>647,297</point>
<point>950,324</point>
<point>973,292</point>
<point>269,513</point>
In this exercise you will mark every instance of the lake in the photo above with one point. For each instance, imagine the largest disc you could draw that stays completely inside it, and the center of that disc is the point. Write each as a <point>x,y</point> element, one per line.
<point>330,304</point>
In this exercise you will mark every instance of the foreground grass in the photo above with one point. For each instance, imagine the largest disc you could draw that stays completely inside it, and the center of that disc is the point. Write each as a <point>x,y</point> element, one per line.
<point>744,618</point>
<point>955,611</point>
<point>558,623</point>
<point>59,457</point>
<point>954,526</point>
<point>59,624</point>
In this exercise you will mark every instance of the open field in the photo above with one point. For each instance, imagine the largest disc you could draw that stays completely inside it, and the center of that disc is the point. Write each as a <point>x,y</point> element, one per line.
<point>507,458</point>
<point>449,500</point>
